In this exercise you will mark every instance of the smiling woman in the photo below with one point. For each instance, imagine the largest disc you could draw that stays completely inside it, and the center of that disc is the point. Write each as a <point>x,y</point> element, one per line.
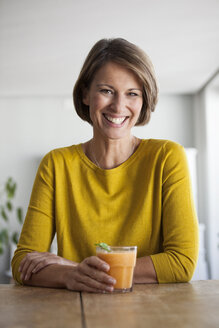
<point>115,101</point>
<point>114,188</point>
<point>126,55</point>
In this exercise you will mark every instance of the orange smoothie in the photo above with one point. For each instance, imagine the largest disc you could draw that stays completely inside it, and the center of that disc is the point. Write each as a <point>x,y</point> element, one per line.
<point>122,262</point>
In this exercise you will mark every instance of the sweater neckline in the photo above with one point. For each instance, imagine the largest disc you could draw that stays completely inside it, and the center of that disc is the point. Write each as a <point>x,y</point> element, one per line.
<point>117,169</point>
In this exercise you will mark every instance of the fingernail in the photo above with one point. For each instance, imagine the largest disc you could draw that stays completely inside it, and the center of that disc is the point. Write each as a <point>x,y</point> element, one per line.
<point>109,289</point>
<point>112,280</point>
<point>105,267</point>
<point>26,277</point>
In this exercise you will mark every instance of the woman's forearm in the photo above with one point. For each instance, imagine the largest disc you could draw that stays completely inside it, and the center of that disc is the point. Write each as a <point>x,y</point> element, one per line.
<point>54,275</point>
<point>144,271</point>
<point>51,276</point>
<point>90,276</point>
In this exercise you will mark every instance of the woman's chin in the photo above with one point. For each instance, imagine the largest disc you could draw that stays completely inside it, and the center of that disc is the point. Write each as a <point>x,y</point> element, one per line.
<point>115,135</point>
<point>111,132</point>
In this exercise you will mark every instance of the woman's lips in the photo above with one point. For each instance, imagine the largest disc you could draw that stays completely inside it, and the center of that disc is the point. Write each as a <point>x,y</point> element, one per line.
<point>115,120</point>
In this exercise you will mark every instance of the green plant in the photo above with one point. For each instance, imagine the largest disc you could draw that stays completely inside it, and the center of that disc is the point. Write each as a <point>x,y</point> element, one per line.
<point>104,246</point>
<point>7,209</point>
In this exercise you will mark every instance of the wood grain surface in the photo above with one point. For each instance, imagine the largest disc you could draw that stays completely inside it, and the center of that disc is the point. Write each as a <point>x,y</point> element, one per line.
<point>192,305</point>
<point>33,307</point>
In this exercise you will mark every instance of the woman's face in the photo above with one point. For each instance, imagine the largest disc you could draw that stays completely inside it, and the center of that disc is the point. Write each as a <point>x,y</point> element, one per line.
<point>115,101</point>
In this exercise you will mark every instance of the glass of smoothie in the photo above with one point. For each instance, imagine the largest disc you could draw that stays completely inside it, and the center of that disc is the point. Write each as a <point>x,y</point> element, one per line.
<point>122,260</point>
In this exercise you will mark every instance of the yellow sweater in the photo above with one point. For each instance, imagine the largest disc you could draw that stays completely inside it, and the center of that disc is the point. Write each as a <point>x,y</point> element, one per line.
<point>146,201</point>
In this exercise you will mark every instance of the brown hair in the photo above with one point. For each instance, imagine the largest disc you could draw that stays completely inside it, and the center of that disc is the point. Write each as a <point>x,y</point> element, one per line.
<point>123,53</point>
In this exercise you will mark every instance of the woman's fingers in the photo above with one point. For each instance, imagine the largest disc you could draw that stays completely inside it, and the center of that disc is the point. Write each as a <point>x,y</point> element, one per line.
<point>24,261</point>
<point>96,274</point>
<point>92,283</point>
<point>26,264</point>
<point>33,260</point>
<point>96,262</point>
<point>39,266</point>
<point>90,273</point>
<point>76,280</point>
<point>25,275</point>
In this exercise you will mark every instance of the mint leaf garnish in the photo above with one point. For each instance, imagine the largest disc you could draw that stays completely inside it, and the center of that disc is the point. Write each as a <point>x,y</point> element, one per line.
<point>104,246</point>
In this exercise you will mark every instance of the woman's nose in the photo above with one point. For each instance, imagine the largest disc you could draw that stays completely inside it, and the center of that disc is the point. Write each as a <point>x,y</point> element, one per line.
<point>118,103</point>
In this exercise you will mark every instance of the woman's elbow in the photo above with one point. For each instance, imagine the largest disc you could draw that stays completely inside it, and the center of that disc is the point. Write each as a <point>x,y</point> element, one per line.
<point>185,270</point>
<point>15,264</point>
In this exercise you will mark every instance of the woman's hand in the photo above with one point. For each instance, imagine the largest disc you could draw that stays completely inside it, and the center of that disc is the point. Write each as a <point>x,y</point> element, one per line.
<point>35,261</point>
<point>90,276</point>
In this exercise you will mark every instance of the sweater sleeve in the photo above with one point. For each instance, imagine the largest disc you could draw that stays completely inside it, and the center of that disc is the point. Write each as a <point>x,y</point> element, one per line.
<point>179,221</point>
<point>39,225</point>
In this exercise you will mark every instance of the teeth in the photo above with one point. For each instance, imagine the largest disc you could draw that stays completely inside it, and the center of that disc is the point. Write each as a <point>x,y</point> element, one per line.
<point>117,120</point>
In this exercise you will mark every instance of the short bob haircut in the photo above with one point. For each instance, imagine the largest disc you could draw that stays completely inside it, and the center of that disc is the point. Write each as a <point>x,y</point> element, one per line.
<point>126,54</point>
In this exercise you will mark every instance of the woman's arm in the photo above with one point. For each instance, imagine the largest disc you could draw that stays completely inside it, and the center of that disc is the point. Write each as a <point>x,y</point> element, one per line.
<point>179,234</point>
<point>49,270</point>
<point>145,271</point>
<point>35,261</point>
<point>39,225</point>
<point>90,275</point>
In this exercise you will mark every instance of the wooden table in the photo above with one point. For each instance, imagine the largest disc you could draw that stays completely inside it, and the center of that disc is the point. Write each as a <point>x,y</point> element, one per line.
<point>194,304</point>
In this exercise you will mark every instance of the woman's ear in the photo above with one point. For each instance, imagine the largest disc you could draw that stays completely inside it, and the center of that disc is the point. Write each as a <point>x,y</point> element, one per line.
<point>86,97</point>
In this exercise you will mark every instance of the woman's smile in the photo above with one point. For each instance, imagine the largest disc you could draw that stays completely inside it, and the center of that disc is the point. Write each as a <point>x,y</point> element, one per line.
<point>115,121</point>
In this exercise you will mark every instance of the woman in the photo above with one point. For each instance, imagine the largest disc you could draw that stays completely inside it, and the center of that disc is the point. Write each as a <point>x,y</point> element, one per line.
<point>114,188</point>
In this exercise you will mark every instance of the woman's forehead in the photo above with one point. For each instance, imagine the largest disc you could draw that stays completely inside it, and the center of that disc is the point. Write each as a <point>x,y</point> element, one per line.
<point>115,72</point>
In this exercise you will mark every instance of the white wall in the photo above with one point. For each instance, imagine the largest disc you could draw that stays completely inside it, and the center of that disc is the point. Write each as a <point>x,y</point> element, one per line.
<point>201,144</point>
<point>172,119</point>
<point>207,143</point>
<point>212,103</point>
<point>32,126</point>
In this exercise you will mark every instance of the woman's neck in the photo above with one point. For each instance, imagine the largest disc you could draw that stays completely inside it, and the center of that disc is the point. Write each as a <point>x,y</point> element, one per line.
<point>108,154</point>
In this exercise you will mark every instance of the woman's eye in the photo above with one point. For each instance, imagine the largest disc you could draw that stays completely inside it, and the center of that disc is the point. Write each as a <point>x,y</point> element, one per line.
<point>106,91</point>
<point>133,94</point>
